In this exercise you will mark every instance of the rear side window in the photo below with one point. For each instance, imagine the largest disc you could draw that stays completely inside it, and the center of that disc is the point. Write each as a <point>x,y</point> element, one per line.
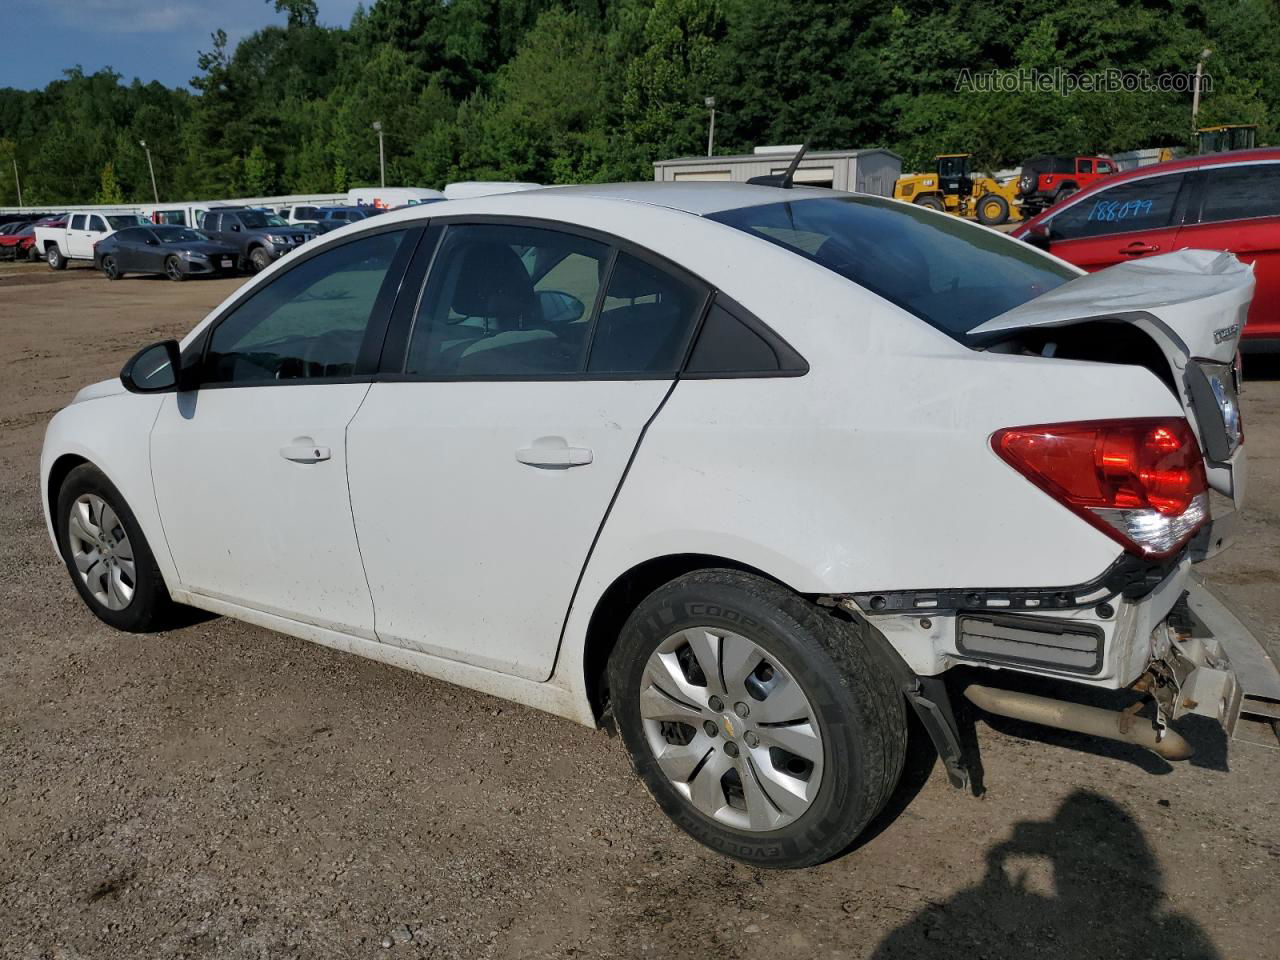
<point>951,274</point>
<point>77,222</point>
<point>734,343</point>
<point>507,301</point>
<point>645,321</point>
<point>1237,193</point>
<point>1145,204</point>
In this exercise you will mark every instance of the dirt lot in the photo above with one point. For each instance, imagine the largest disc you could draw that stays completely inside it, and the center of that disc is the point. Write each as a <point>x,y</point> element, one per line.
<point>222,791</point>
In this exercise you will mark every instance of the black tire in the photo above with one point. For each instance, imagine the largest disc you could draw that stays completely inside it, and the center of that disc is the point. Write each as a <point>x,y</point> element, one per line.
<point>993,209</point>
<point>932,201</point>
<point>33,254</point>
<point>259,259</point>
<point>1064,191</point>
<point>173,269</point>
<point>110,268</point>
<point>859,710</point>
<point>54,257</point>
<point>150,606</point>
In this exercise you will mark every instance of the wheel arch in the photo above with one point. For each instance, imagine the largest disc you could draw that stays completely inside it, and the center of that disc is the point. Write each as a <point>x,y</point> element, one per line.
<point>622,597</point>
<point>58,472</point>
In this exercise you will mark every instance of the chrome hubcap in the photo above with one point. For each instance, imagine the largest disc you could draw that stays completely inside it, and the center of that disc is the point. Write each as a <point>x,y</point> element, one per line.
<point>731,729</point>
<point>101,551</point>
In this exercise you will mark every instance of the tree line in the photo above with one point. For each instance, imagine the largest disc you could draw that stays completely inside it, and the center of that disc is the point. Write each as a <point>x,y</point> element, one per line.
<point>591,90</point>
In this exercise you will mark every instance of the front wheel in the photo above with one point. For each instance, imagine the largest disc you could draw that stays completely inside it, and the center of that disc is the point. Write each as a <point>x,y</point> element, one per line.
<point>259,259</point>
<point>110,562</point>
<point>173,269</point>
<point>761,724</point>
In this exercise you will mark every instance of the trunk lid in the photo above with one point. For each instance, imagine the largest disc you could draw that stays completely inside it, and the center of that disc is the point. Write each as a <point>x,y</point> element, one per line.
<point>1193,305</point>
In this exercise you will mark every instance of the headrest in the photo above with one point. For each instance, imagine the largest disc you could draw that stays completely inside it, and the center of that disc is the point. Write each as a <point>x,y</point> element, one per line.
<point>492,282</point>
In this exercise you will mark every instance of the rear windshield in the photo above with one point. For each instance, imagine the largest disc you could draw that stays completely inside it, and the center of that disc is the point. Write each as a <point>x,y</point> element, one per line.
<point>951,274</point>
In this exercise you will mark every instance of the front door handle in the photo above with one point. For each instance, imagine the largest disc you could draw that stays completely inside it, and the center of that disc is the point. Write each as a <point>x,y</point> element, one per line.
<point>302,450</point>
<point>1139,247</point>
<point>553,453</point>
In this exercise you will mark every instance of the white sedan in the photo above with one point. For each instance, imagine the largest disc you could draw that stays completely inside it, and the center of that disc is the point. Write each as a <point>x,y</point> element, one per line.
<point>743,470</point>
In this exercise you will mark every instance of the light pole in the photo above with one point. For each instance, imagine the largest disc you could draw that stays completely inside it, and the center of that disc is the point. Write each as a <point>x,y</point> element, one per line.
<point>382,157</point>
<point>711,132</point>
<point>150,166</point>
<point>1195,96</point>
<point>16,182</point>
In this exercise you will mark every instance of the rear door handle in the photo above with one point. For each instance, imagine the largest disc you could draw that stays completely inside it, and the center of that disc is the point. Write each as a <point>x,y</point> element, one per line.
<point>1139,247</point>
<point>553,453</point>
<point>302,450</point>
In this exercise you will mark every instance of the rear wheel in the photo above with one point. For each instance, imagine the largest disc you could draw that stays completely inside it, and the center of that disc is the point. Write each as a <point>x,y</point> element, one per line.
<point>930,200</point>
<point>993,210</point>
<point>761,724</point>
<point>173,269</point>
<point>55,258</point>
<point>110,268</point>
<point>110,562</point>
<point>1068,190</point>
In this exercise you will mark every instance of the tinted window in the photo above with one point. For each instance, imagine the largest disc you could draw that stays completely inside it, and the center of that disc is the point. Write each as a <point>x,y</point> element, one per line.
<point>727,345</point>
<point>951,274</point>
<point>261,218</point>
<point>77,221</point>
<point>178,235</point>
<point>304,213</point>
<point>132,235</point>
<point>309,322</point>
<point>507,301</point>
<point>1234,193</point>
<point>96,225</point>
<point>645,320</point>
<point>1145,204</point>
<point>1086,166</point>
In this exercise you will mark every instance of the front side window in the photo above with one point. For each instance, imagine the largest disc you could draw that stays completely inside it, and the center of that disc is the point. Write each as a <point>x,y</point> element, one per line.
<point>507,301</point>
<point>96,225</point>
<point>951,274</point>
<point>308,323</point>
<point>1086,166</point>
<point>1145,204</point>
<point>1240,192</point>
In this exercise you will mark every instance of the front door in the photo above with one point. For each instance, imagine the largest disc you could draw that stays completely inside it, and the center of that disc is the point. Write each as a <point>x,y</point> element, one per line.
<point>251,468</point>
<point>1131,220</point>
<point>480,479</point>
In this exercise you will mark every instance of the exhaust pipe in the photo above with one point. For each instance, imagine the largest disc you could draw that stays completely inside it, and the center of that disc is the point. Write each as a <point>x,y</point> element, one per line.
<point>1078,718</point>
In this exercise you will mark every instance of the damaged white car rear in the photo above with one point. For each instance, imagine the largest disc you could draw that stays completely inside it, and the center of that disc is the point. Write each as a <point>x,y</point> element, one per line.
<point>746,472</point>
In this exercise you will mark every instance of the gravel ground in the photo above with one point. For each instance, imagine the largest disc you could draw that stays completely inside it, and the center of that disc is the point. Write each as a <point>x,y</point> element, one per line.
<point>222,791</point>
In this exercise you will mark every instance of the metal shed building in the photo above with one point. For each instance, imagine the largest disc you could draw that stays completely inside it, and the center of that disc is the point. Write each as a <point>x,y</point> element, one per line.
<point>864,171</point>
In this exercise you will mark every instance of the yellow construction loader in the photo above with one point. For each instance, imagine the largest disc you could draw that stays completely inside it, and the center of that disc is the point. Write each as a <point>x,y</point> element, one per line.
<point>955,189</point>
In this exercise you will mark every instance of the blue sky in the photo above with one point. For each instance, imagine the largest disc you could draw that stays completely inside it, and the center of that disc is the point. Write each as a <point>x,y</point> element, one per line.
<point>150,39</point>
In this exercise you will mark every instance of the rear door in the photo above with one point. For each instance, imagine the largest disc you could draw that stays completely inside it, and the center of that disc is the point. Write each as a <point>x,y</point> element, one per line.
<point>1127,221</point>
<point>482,466</point>
<point>1239,210</point>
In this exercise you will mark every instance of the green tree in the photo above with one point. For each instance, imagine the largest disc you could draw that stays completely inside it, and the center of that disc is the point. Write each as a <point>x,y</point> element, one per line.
<point>259,173</point>
<point>108,188</point>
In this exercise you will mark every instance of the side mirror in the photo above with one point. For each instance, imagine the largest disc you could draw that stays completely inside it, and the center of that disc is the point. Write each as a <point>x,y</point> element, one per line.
<point>152,242</point>
<point>153,369</point>
<point>1038,236</point>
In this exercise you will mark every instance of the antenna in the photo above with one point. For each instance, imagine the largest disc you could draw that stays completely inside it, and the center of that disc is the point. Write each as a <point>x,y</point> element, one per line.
<point>783,180</point>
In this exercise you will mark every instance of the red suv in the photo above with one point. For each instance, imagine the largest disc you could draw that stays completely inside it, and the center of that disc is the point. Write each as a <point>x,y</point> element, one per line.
<point>1046,180</point>
<point>1224,201</point>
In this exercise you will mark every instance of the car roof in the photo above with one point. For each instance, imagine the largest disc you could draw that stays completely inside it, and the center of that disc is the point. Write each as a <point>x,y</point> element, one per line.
<point>696,197</point>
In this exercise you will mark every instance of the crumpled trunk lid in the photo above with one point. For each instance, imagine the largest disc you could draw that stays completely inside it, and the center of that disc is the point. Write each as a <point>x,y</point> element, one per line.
<point>1193,304</point>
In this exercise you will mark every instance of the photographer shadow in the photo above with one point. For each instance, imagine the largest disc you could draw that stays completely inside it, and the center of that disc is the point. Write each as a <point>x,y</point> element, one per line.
<point>1084,884</point>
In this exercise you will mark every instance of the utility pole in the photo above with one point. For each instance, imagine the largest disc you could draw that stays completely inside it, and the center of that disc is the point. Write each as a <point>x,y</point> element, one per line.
<point>711,132</point>
<point>1195,96</point>
<point>16,182</point>
<point>382,157</point>
<point>150,166</point>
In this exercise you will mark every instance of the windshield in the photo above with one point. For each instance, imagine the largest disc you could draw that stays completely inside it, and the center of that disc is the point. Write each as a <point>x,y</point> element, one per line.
<point>178,235</point>
<point>256,218</point>
<point>951,274</point>
<point>120,221</point>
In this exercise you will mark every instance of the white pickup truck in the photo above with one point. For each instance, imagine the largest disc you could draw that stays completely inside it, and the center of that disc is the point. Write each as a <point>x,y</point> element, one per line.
<point>76,239</point>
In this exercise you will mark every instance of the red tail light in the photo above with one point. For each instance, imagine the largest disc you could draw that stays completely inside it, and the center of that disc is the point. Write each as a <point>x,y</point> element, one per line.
<point>1141,482</point>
